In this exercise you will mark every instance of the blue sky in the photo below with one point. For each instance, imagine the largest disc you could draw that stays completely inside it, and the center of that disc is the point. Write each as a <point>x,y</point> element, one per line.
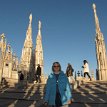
<point>68,28</point>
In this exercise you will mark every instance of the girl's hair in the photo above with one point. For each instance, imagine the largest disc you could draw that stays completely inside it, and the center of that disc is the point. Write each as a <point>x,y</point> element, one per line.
<point>57,64</point>
<point>85,61</point>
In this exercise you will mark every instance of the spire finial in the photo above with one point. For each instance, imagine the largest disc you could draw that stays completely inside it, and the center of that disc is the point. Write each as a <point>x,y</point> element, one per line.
<point>2,35</point>
<point>39,26</point>
<point>30,18</point>
<point>96,19</point>
<point>9,48</point>
<point>94,6</point>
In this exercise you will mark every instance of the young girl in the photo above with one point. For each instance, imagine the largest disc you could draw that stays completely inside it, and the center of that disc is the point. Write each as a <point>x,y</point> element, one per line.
<point>86,69</point>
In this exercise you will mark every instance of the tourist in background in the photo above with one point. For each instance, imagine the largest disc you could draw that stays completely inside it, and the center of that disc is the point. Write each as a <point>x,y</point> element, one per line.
<point>38,74</point>
<point>69,70</point>
<point>58,91</point>
<point>69,73</point>
<point>86,69</point>
<point>21,76</point>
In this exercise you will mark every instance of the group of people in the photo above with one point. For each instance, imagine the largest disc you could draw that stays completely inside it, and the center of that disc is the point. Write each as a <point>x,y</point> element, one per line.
<point>70,70</point>
<point>37,75</point>
<point>58,92</point>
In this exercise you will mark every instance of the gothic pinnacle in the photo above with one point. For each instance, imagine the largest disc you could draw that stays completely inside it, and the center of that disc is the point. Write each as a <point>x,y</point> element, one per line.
<point>2,35</point>
<point>96,19</point>
<point>100,49</point>
<point>39,28</point>
<point>94,6</point>
<point>30,19</point>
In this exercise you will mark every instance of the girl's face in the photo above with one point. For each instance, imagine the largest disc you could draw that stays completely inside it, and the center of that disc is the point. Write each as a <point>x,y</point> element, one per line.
<point>56,68</point>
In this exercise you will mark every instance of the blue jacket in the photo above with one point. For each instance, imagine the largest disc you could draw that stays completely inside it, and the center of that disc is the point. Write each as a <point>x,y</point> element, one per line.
<point>64,89</point>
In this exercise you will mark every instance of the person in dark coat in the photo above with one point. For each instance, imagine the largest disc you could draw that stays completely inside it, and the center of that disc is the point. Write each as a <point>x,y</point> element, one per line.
<point>38,74</point>
<point>21,76</point>
<point>69,73</point>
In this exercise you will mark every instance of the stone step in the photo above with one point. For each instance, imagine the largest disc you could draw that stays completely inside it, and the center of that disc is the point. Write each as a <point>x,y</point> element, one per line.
<point>30,93</point>
<point>20,103</point>
<point>90,90</point>
<point>18,96</point>
<point>87,95</point>
<point>79,104</point>
<point>83,97</point>
<point>29,103</point>
<point>89,98</point>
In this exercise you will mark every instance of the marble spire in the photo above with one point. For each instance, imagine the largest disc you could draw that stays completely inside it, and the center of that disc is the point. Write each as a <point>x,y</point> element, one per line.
<point>28,41</point>
<point>39,28</point>
<point>39,49</point>
<point>100,49</point>
<point>26,58</point>
<point>96,19</point>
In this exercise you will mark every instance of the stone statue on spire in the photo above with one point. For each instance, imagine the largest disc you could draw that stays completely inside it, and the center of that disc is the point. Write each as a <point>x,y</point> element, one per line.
<point>8,48</point>
<point>2,35</point>
<point>30,18</point>
<point>96,19</point>
<point>94,6</point>
<point>39,26</point>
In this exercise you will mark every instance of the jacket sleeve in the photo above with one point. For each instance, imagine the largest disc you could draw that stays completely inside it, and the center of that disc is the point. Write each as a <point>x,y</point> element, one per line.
<point>68,89</point>
<point>85,65</point>
<point>47,90</point>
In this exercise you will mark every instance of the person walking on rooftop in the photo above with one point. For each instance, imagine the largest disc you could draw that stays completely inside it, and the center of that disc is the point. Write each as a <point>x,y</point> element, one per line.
<point>86,69</point>
<point>69,70</point>
<point>69,73</point>
<point>38,74</point>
